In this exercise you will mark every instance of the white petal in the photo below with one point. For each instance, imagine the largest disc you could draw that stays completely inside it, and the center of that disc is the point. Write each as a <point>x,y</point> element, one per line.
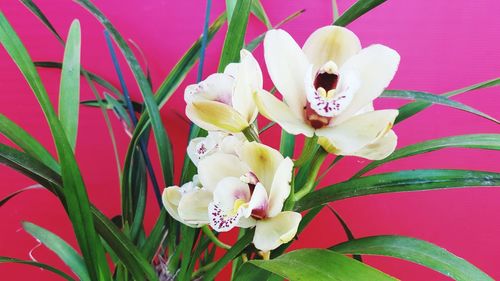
<point>221,221</point>
<point>217,166</point>
<point>232,69</point>
<point>249,79</point>
<point>199,148</point>
<point>356,132</point>
<point>331,43</point>
<point>213,115</point>
<point>228,191</point>
<point>171,197</point>
<point>379,149</point>
<point>375,67</point>
<point>193,207</point>
<point>287,65</point>
<point>217,87</point>
<point>277,111</point>
<point>272,232</point>
<point>262,160</point>
<point>230,143</point>
<point>280,189</point>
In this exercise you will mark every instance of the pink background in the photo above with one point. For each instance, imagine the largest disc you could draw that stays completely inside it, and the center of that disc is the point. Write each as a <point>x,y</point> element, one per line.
<point>444,45</point>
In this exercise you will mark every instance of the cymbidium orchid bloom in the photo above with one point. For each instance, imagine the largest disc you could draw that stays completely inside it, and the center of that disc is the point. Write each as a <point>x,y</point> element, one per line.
<point>250,190</point>
<point>188,203</point>
<point>223,101</point>
<point>215,141</point>
<point>328,88</point>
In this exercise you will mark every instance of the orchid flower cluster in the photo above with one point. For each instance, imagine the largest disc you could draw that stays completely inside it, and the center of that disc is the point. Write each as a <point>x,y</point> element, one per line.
<point>328,88</point>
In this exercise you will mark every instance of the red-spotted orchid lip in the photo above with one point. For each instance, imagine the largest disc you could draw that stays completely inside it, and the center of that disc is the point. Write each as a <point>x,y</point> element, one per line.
<point>327,97</point>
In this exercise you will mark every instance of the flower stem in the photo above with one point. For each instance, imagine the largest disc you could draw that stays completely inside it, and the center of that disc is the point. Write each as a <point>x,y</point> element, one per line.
<point>317,161</point>
<point>251,133</point>
<point>214,238</point>
<point>307,151</point>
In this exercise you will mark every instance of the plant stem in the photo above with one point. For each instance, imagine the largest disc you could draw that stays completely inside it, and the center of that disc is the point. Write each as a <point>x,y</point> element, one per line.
<point>307,151</point>
<point>251,134</point>
<point>317,161</point>
<point>202,270</point>
<point>214,238</point>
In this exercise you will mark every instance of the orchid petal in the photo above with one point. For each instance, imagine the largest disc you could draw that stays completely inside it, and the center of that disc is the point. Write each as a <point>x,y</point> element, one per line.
<point>287,65</point>
<point>216,87</point>
<point>357,132</point>
<point>270,233</point>
<point>193,207</point>
<point>280,189</point>
<point>262,160</point>
<point>212,115</point>
<point>215,167</point>
<point>331,43</point>
<point>171,197</point>
<point>228,191</point>
<point>279,112</point>
<point>248,80</point>
<point>379,149</point>
<point>259,203</point>
<point>375,67</point>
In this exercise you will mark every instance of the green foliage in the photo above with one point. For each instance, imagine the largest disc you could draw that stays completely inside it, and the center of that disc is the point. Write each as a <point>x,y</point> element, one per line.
<point>39,265</point>
<point>358,9</point>
<point>414,250</point>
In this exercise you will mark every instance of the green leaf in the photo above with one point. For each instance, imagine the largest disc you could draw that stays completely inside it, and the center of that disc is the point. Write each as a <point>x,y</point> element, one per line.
<point>259,11</point>
<point>357,10</point>
<point>346,228</point>
<point>69,92</point>
<point>26,142</point>
<point>37,264</point>
<point>74,189</point>
<point>232,253</point>
<point>230,5</point>
<point>94,77</point>
<point>403,181</point>
<point>482,141</point>
<point>320,265</point>
<point>415,107</point>
<point>287,144</point>
<point>62,249</point>
<point>121,245</point>
<point>235,36</point>
<point>38,13</point>
<point>156,236</point>
<point>162,141</point>
<point>414,250</point>
<point>436,99</point>
<point>15,193</point>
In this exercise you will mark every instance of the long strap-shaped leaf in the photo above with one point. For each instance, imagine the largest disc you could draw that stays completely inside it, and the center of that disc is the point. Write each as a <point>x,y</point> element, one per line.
<point>162,141</point>
<point>403,181</point>
<point>37,264</point>
<point>359,8</point>
<point>408,110</point>
<point>482,141</point>
<point>435,99</point>
<point>26,142</point>
<point>74,189</point>
<point>69,92</point>
<point>131,257</point>
<point>319,265</point>
<point>62,249</point>
<point>417,251</point>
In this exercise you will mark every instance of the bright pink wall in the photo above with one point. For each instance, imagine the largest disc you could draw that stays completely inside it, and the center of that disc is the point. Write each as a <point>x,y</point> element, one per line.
<point>444,45</point>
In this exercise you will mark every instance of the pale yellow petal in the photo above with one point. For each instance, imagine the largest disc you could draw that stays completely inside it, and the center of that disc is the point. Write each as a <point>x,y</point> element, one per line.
<point>171,197</point>
<point>379,149</point>
<point>193,207</point>
<point>212,115</point>
<point>248,80</point>
<point>275,110</point>
<point>262,160</point>
<point>374,66</point>
<point>331,43</point>
<point>280,189</point>
<point>272,232</point>
<point>356,132</point>
<point>287,65</point>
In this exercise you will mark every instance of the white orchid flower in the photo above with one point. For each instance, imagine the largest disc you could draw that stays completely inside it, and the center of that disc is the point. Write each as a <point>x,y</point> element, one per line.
<point>250,190</point>
<point>215,141</point>
<point>328,88</point>
<point>188,204</point>
<point>224,101</point>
